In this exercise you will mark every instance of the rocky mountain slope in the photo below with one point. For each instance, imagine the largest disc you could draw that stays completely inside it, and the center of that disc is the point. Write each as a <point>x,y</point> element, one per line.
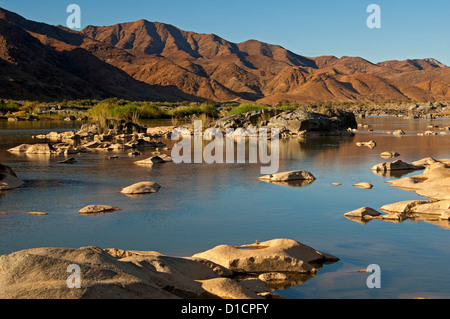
<point>145,60</point>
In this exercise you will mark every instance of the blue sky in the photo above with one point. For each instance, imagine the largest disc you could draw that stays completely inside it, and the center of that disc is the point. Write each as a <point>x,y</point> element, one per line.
<point>409,29</point>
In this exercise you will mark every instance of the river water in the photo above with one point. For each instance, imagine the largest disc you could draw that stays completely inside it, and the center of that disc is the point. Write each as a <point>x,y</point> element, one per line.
<point>200,206</point>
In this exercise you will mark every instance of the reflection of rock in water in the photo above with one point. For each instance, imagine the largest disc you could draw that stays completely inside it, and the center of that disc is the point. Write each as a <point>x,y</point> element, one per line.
<point>395,173</point>
<point>293,280</point>
<point>358,219</point>
<point>297,183</point>
<point>431,219</point>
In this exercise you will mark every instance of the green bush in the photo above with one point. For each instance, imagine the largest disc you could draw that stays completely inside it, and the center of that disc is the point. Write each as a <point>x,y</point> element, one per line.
<point>244,108</point>
<point>209,110</point>
<point>9,107</point>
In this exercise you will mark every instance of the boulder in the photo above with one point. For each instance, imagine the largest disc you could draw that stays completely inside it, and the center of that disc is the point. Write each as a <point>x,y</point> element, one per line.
<point>363,212</point>
<point>302,122</point>
<point>42,149</point>
<point>363,185</point>
<point>398,132</point>
<point>244,120</point>
<point>396,165</point>
<point>277,255</point>
<point>370,144</point>
<point>141,188</point>
<point>424,162</point>
<point>42,273</point>
<point>403,207</point>
<point>394,217</point>
<point>97,209</point>
<point>20,149</point>
<point>389,154</point>
<point>46,273</point>
<point>289,176</point>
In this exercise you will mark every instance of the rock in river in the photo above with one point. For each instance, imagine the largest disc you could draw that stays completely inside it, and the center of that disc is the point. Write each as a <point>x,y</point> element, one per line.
<point>389,154</point>
<point>141,188</point>
<point>277,255</point>
<point>151,160</point>
<point>363,185</point>
<point>396,165</point>
<point>97,209</point>
<point>288,176</point>
<point>363,212</point>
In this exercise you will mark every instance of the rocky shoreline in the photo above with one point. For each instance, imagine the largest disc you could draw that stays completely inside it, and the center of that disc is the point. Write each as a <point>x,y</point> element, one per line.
<point>223,272</point>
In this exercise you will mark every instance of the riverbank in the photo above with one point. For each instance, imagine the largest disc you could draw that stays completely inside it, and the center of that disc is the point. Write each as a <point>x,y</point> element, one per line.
<point>82,110</point>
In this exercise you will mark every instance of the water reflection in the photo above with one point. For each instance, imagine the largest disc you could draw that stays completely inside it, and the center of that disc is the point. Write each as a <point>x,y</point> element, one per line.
<point>295,183</point>
<point>394,173</point>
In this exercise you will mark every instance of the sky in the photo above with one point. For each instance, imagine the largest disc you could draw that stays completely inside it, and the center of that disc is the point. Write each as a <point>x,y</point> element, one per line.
<point>409,29</point>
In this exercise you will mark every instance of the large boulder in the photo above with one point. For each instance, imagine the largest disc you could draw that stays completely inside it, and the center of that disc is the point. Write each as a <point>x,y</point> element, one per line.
<point>51,273</point>
<point>42,273</point>
<point>36,149</point>
<point>8,178</point>
<point>244,120</point>
<point>277,255</point>
<point>302,122</point>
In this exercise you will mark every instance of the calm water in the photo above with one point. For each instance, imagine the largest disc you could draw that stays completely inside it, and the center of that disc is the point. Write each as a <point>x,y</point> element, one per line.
<point>200,206</point>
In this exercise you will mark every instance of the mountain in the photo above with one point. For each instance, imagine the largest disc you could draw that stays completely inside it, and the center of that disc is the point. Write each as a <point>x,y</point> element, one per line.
<point>145,60</point>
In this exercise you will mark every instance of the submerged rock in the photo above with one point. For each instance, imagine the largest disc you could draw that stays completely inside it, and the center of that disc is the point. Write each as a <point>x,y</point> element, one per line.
<point>151,160</point>
<point>97,209</point>
<point>68,161</point>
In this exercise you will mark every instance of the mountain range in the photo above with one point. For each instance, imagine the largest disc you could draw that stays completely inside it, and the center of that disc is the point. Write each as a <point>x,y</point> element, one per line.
<point>154,61</point>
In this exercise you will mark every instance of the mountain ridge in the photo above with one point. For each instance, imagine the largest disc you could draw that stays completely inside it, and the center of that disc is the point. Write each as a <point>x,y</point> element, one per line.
<point>145,60</point>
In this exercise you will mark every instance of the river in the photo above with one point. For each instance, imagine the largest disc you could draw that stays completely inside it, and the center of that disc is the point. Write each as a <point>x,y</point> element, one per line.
<point>200,206</point>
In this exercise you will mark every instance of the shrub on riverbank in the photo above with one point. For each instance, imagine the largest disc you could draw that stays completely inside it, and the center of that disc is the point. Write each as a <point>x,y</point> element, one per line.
<point>244,108</point>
